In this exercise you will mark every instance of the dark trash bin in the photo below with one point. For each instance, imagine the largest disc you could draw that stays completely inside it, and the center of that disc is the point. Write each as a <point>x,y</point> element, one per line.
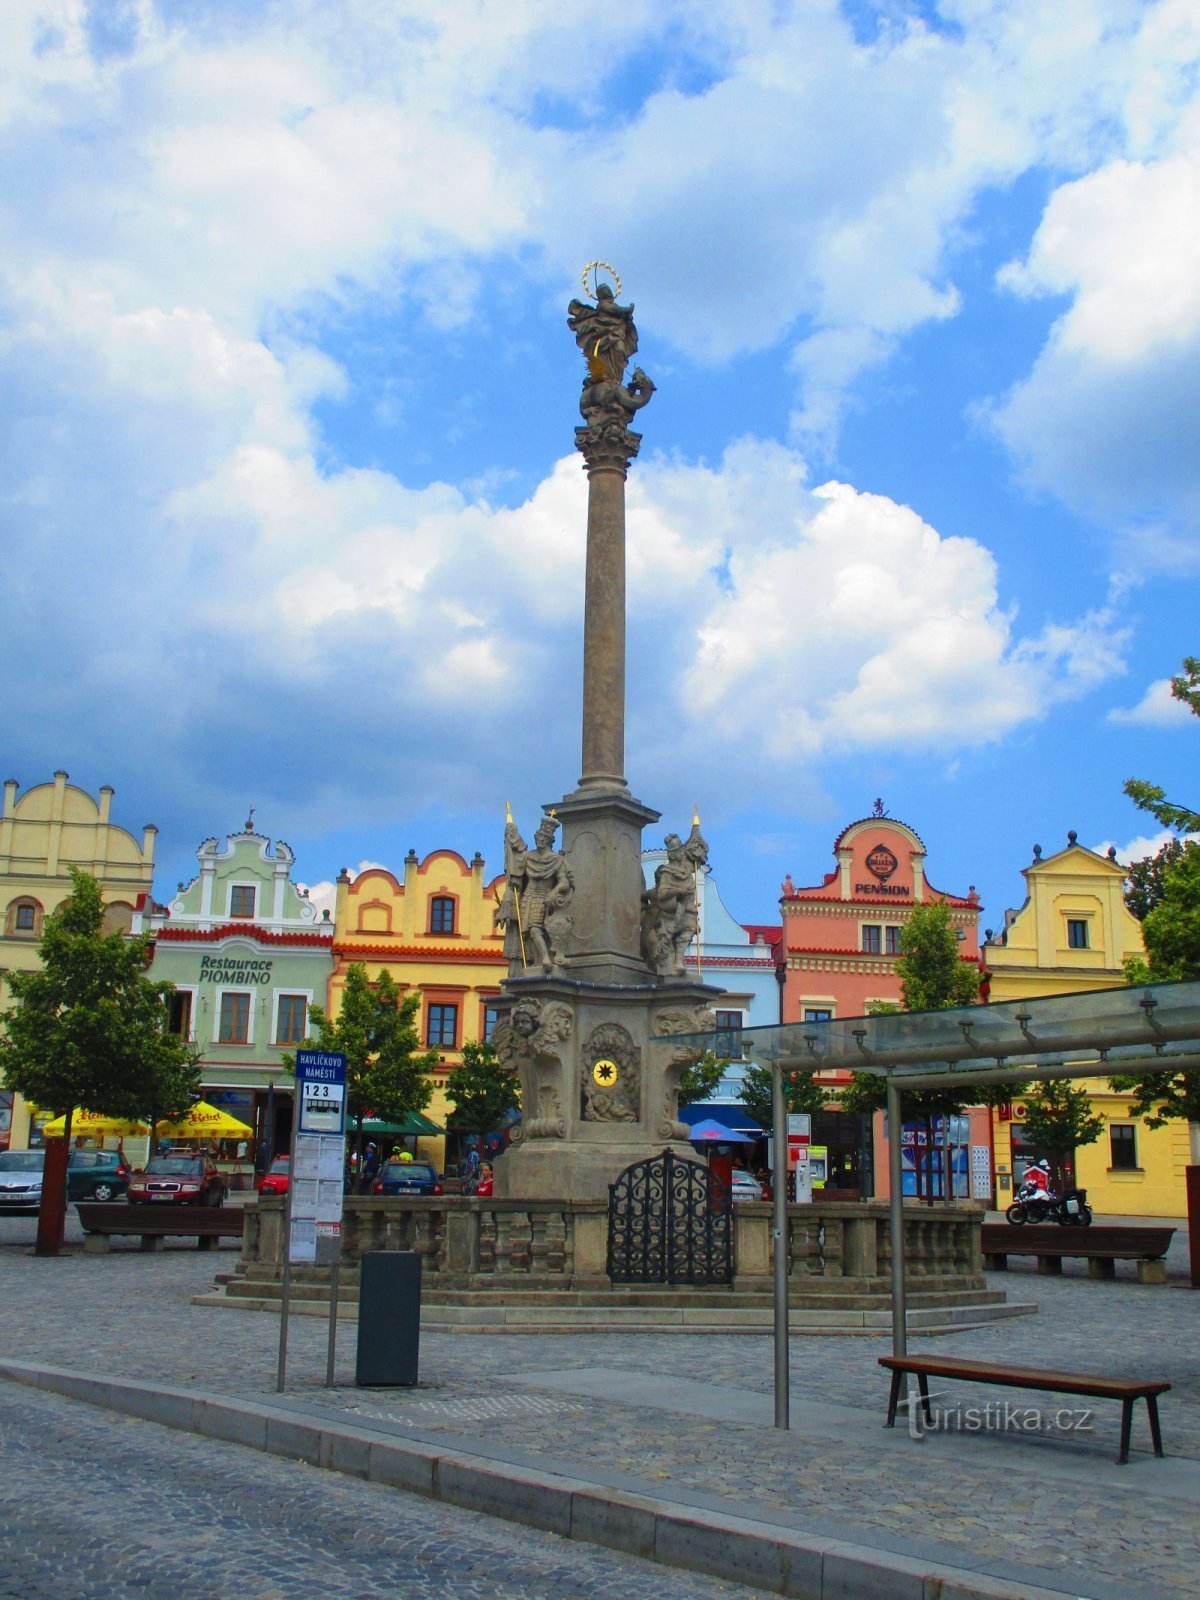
<point>389,1319</point>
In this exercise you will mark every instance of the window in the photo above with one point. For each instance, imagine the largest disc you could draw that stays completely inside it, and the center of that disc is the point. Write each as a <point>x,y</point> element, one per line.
<point>491,1016</point>
<point>1077,933</point>
<point>23,918</point>
<point>442,1028</point>
<point>1122,1143</point>
<point>872,939</point>
<point>179,1014</point>
<point>817,1014</point>
<point>441,914</point>
<point>892,941</point>
<point>235,1019</point>
<point>727,1041</point>
<point>293,1019</point>
<point>241,900</point>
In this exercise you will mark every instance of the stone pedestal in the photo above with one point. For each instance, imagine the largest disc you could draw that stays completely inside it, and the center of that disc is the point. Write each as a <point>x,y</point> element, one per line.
<point>597,1092</point>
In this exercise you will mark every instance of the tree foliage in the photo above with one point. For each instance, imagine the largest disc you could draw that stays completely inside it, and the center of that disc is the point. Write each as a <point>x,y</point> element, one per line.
<point>1145,879</point>
<point>801,1093</point>
<point>1059,1118</point>
<point>376,1030</point>
<point>932,972</point>
<point>700,1080</point>
<point>1171,930</point>
<point>88,1027</point>
<point>480,1090</point>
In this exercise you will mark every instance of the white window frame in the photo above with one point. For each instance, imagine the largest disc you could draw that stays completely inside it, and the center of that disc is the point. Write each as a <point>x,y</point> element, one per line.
<point>194,990</point>
<point>243,883</point>
<point>290,993</point>
<point>235,1044</point>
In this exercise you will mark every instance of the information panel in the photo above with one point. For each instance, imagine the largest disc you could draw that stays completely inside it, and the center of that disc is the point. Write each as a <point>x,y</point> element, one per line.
<point>318,1164</point>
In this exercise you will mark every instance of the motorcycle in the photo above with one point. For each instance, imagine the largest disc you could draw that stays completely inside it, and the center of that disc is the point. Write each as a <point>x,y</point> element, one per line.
<point>1032,1205</point>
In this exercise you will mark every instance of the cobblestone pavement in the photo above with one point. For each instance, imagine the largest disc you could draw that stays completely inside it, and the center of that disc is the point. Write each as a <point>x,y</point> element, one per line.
<point>1055,1511</point>
<point>99,1507</point>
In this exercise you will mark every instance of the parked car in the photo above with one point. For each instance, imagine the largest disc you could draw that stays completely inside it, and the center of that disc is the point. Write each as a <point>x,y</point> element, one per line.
<point>277,1176</point>
<point>182,1180</point>
<point>21,1179</point>
<point>407,1177</point>
<point>744,1185</point>
<point>91,1175</point>
<point>97,1175</point>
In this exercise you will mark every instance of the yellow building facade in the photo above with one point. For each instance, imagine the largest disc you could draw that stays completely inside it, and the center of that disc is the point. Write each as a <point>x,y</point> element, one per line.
<point>431,931</point>
<point>1073,934</point>
<point>43,834</point>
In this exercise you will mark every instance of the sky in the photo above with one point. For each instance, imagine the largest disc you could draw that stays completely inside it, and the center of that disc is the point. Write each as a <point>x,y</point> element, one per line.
<point>290,512</point>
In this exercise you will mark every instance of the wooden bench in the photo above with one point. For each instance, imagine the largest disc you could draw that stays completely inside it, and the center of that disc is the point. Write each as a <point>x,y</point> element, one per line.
<point>1126,1390</point>
<point>156,1224</point>
<point>1102,1247</point>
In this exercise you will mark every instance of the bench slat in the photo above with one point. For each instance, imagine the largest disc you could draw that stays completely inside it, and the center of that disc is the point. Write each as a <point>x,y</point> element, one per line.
<point>1026,1377</point>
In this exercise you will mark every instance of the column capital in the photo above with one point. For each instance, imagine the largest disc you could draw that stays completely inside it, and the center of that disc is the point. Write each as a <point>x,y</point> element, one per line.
<point>607,445</point>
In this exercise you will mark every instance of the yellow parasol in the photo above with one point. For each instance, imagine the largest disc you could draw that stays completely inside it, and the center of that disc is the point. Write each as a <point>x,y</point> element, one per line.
<point>96,1125</point>
<point>204,1122</point>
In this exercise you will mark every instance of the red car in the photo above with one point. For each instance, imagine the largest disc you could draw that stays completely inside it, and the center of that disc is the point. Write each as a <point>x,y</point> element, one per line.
<point>181,1180</point>
<point>277,1176</point>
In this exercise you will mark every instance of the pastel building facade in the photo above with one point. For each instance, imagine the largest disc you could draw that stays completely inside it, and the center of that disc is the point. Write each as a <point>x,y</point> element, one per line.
<point>431,931</point>
<point>1073,934</point>
<point>840,946</point>
<point>249,956</point>
<point>45,832</point>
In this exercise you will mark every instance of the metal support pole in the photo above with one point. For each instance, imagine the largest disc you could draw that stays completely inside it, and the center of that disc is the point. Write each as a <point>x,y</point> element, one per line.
<point>895,1129</point>
<point>333,1314</point>
<point>780,1237</point>
<point>285,1301</point>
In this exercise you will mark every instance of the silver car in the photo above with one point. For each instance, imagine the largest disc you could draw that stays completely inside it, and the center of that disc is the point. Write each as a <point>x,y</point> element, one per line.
<point>21,1179</point>
<point>744,1185</point>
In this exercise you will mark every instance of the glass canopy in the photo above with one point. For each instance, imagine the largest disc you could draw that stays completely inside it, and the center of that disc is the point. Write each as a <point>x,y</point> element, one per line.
<point>1148,1028</point>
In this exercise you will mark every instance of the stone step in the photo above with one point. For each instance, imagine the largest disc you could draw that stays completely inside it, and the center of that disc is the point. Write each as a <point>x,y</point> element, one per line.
<point>518,1318</point>
<point>646,1296</point>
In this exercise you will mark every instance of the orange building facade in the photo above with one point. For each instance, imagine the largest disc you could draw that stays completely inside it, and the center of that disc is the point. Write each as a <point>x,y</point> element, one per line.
<point>841,943</point>
<point>431,932</point>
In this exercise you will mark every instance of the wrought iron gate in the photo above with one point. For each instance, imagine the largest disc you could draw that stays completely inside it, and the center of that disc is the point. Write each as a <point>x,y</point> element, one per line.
<point>670,1220</point>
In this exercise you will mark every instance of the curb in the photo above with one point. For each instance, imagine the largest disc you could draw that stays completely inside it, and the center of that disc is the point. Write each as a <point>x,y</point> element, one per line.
<point>738,1549</point>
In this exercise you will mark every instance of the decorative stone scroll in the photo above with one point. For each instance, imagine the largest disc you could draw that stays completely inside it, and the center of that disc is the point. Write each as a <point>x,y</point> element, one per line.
<point>674,1059</point>
<point>527,1042</point>
<point>610,1071</point>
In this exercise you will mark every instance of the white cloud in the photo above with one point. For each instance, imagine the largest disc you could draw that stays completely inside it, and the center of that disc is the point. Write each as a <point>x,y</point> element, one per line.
<point>1109,417</point>
<point>1158,708</point>
<point>1139,848</point>
<point>857,625</point>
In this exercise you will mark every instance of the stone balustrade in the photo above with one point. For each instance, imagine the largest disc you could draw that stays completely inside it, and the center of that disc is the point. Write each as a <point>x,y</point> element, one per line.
<point>472,1243</point>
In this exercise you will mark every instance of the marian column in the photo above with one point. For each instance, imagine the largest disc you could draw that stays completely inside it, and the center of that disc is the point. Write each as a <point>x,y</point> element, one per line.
<point>598,961</point>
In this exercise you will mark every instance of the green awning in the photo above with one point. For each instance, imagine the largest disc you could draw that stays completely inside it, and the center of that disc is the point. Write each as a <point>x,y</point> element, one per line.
<point>414,1126</point>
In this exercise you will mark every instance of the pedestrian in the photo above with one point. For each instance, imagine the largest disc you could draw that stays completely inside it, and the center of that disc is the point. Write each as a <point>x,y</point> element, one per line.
<point>370,1167</point>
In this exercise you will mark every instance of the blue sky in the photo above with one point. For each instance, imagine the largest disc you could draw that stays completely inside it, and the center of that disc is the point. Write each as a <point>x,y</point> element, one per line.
<point>290,511</point>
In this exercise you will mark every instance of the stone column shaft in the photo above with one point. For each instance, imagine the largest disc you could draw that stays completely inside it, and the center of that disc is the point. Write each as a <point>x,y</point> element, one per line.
<point>604,631</point>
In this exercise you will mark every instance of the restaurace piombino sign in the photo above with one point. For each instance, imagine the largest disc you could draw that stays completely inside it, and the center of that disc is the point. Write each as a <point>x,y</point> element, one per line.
<point>232,969</point>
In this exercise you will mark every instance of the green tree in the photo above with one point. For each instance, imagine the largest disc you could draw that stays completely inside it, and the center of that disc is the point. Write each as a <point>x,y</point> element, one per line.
<point>932,972</point>
<point>480,1090</point>
<point>387,1073</point>
<point>89,1028</point>
<point>801,1093</point>
<point>1058,1119</point>
<point>699,1080</point>
<point>1145,879</point>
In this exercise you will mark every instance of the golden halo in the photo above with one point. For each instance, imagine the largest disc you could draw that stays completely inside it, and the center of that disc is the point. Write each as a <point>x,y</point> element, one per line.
<point>612,272</point>
<point>605,1073</point>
